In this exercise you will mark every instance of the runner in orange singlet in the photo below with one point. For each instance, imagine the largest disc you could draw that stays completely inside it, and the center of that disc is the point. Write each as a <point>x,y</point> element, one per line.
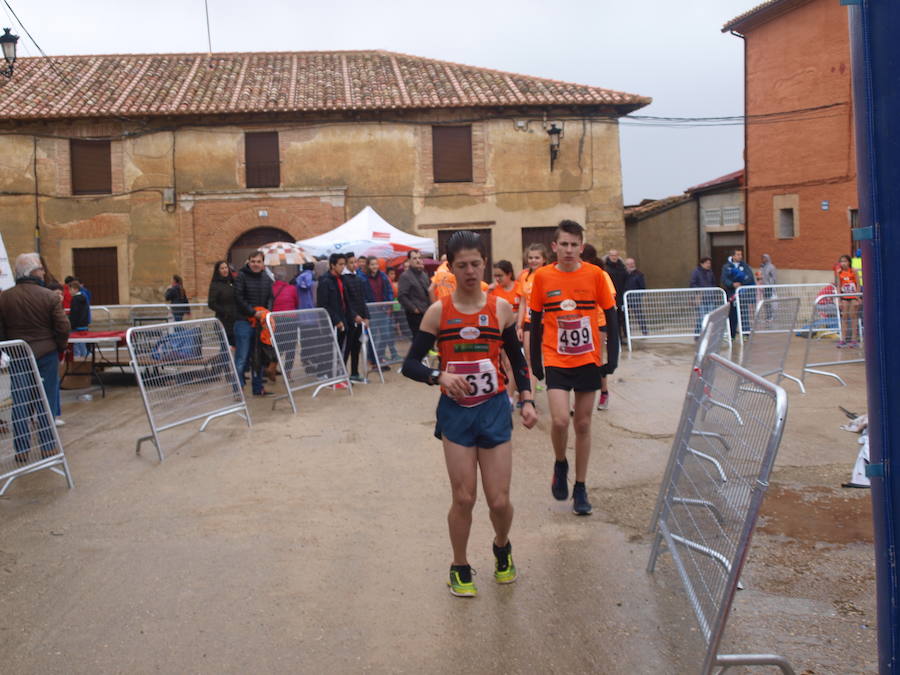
<point>473,415</point>
<point>848,284</point>
<point>569,303</point>
<point>510,290</point>
<point>535,258</point>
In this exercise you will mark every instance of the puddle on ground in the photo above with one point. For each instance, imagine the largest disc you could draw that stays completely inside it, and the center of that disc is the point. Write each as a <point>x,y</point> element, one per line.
<point>817,515</point>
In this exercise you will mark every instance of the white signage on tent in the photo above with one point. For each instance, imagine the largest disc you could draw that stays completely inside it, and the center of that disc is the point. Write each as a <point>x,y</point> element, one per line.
<point>7,280</point>
<point>368,234</point>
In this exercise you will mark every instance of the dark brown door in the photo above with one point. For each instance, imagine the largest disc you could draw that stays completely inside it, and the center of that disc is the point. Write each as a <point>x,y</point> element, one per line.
<point>444,237</point>
<point>98,270</point>
<point>537,235</point>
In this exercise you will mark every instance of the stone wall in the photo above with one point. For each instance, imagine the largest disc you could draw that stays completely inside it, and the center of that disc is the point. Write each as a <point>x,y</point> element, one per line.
<point>178,199</point>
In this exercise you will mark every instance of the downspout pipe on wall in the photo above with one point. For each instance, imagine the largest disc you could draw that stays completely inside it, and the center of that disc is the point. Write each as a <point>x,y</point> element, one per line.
<point>875,52</point>
<point>746,171</point>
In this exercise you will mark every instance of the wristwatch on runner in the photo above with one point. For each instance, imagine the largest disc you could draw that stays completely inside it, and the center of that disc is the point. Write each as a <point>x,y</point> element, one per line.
<point>433,376</point>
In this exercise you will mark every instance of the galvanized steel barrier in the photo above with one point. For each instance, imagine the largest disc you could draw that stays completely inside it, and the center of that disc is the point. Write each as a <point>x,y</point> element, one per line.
<point>748,297</point>
<point>727,439</point>
<point>669,312</point>
<point>767,349</point>
<point>185,371</point>
<point>29,441</point>
<point>108,317</point>
<point>388,337</point>
<point>308,352</point>
<point>820,351</point>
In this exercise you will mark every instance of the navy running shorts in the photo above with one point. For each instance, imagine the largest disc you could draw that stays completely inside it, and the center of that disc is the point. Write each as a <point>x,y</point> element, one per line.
<point>581,378</point>
<point>483,426</point>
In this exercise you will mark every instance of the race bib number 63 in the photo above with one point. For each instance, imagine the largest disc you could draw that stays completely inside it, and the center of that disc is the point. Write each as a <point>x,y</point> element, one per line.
<point>481,376</point>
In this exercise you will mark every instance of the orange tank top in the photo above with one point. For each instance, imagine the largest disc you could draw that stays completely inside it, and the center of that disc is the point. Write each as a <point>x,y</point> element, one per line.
<point>512,296</point>
<point>469,345</point>
<point>847,280</point>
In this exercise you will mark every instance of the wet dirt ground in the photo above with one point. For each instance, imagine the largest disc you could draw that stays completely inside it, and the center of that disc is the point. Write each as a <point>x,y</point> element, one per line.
<point>318,542</point>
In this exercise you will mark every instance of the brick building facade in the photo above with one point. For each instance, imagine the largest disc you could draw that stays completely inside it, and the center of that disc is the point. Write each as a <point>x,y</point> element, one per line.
<point>800,164</point>
<point>168,178</point>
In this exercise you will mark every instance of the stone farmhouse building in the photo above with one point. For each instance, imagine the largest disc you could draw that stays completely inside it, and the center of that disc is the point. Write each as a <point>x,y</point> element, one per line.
<point>126,169</point>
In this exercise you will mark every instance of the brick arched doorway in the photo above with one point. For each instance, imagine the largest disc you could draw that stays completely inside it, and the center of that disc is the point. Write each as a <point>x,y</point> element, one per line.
<point>251,240</point>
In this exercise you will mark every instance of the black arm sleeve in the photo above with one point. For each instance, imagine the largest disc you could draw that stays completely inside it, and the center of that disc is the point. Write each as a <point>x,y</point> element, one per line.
<point>612,342</point>
<point>513,349</point>
<point>413,368</point>
<point>537,335</point>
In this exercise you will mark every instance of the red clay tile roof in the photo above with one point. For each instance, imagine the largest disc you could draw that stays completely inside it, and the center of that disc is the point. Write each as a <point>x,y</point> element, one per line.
<point>759,12</point>
<point>734,176</point>
<point>188,84</point>
<point>645,208</point>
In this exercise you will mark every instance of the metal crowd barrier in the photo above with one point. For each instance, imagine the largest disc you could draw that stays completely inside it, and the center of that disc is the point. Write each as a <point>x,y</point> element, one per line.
<point>29,441</point>
<point>669,312</point>
<point>308,352</point>
<point>824,348</point>
<point>388,338</point>
<point>185,372</point>
<point>770,339</point>
<point>748,297</point>
<point>109,317</point>
<point>730,429</point>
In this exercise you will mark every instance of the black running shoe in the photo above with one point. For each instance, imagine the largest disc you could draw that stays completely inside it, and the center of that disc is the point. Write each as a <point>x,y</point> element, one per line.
<point>580,504</point>
<point>560,485</point>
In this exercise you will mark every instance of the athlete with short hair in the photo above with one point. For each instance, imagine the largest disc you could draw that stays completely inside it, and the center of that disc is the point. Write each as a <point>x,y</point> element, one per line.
<point>473,415</point>
<point>569,303</point>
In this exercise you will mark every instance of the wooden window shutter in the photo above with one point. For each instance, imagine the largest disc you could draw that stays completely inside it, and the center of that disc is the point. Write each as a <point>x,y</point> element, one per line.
<point>452,154</point>
<point>261,159</point>
<point>91,167</point>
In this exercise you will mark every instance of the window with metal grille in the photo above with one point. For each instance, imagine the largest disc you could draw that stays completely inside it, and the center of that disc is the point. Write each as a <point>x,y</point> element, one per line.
<point>786,223</point>
<point>91,167</point>
<point>262,164</point>
<point>711,217</point>
<point>452,154</point>
<point>732,215</point>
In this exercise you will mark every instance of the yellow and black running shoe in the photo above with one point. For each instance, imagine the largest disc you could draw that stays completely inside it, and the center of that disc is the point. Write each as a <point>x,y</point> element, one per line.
<point>460,581</point>
<point>504,567</point>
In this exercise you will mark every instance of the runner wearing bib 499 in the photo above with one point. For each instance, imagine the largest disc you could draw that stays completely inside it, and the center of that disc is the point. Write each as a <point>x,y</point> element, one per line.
<point>474,414</point>
<point>569,302</point>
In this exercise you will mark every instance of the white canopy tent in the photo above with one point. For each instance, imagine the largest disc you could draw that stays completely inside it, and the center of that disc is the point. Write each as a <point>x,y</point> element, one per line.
<point>367,234</point>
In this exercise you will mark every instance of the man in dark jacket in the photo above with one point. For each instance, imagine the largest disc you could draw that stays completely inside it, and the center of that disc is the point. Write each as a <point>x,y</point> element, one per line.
<point>614,266</point>
<point>252,289</point>
<point>635,281</point>
<point>357,317</point>
<point>32,313</point>
<point>737,273</point>
<point>706,301</point>
<point>412,291</point>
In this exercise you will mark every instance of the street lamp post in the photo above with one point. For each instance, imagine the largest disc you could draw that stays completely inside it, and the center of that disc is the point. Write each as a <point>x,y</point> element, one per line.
<point>8,43</point>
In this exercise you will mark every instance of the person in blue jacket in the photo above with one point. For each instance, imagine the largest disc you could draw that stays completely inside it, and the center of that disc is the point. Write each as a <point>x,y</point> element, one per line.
<point>737,273</point>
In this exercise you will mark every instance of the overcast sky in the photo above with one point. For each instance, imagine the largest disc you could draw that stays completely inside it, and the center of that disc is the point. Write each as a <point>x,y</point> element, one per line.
<point>672,51</point>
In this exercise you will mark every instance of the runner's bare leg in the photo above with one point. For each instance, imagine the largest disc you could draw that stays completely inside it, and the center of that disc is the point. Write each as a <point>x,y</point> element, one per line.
<point>584,408</point>
<point>496,471</point>
<point>559,421</point>
<point>462,463</point>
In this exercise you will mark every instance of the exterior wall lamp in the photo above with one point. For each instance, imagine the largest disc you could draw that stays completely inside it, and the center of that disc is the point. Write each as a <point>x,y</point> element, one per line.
<point>555,133</point>
<point>8,43</point>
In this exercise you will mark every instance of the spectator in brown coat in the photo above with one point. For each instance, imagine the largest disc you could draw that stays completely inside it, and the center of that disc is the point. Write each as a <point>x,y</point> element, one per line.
<point>34,314</point>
